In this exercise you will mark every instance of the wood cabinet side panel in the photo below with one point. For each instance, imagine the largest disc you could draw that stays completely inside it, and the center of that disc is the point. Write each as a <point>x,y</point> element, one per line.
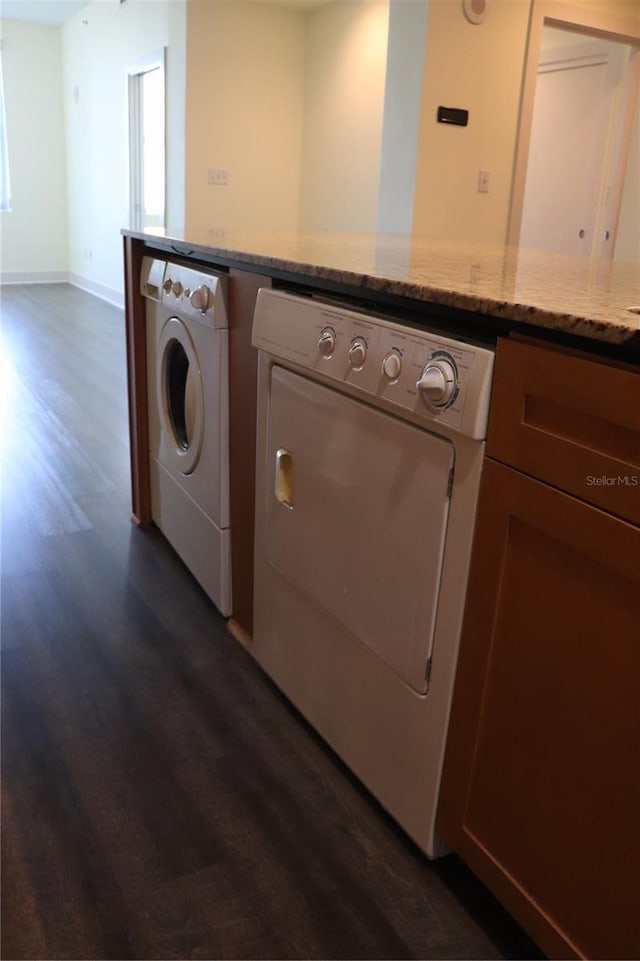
<point>243,379</point>
<point>136,345</point>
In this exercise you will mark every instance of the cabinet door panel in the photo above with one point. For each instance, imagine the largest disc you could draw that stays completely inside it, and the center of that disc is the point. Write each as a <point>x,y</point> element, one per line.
<point>541,790</point>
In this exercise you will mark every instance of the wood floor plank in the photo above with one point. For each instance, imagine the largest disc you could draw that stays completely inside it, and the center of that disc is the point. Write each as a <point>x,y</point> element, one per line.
<point>160,798</point>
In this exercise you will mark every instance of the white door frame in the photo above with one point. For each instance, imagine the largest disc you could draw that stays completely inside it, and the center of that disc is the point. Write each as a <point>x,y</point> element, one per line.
<point>590,22</point>
<point>135,74</point>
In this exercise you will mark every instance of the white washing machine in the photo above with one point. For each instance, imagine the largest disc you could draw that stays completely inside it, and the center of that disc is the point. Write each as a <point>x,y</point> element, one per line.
<point>188,410</point>
<point>370,449</point>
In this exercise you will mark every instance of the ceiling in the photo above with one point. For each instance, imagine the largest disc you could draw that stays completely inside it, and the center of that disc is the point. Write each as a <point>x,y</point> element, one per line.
<point>56,12</point>
<point>302,5</point>
<point>53,13</point>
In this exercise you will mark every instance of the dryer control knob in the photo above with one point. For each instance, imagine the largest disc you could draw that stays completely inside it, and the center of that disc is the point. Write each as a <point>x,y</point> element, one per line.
<point>177,288</point>
<point>357,352</point>
<point>327,342</point>
<point>391,365</point>
<point>201,299</point>
<point>437,383</point>
<point>168,284</point>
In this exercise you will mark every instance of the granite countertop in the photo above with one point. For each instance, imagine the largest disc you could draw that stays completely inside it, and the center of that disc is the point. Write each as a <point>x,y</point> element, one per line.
<point>572,295</point>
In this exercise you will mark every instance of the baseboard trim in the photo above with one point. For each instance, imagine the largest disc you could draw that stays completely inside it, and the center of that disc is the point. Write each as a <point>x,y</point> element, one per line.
<point>115,297</point>
<point>34,277</point>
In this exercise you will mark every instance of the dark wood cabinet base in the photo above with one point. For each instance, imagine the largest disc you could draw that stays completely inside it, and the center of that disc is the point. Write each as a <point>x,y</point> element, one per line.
<point>541,787</point>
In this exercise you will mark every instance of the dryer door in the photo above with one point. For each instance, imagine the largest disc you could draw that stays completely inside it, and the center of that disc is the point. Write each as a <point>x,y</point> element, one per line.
<point>356,517</point>
<point>180,397</point>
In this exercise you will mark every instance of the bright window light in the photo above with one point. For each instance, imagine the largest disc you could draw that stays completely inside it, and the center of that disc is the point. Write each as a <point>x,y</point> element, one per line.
<point>5,189</point>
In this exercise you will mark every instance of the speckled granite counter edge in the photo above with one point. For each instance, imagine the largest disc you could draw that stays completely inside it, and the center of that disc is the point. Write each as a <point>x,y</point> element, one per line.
<point>613,332</point>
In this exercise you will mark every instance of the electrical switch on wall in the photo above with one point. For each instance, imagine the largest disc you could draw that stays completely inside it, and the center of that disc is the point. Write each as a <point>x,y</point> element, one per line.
<point>483,181</point>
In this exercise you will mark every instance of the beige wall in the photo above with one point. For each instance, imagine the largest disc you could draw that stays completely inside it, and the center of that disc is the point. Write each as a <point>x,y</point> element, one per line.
<point>346,54</point>
<point>244,114</point>
<point>284,130</point>
<point>628,236</point>
<point>479,68</point>
<point>101,43</point>
<point>290,103</point>
<point>34,231</point>
<point>66,92</point>
<point>402,103</point>
<point>627,9</point>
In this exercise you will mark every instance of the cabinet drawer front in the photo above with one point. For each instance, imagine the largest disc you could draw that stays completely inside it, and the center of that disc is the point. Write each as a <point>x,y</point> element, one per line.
<point>571,421</point>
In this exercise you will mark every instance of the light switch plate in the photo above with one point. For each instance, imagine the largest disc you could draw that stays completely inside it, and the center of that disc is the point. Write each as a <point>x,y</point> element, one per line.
<point>483,181</point>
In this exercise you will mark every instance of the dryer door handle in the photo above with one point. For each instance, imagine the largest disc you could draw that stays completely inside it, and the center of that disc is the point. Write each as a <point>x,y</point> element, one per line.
<point>284,477</point>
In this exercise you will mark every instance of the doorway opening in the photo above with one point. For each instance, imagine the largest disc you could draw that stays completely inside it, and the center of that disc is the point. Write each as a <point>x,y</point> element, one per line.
<point>146,88</point>
<point>579,101</point>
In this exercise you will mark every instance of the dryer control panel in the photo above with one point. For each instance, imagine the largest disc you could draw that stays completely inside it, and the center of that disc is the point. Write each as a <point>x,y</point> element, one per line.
<point>187,291</point>
<point>438,378</point>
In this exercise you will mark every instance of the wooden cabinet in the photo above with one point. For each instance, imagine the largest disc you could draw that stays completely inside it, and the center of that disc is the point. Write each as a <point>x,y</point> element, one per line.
<point>541,787</point>
<point>243,385</point>
<point>136,345</point>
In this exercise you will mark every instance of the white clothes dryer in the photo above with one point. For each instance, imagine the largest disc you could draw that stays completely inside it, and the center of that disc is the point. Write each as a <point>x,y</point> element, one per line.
<point>370,444</point>
<point>188,411</point>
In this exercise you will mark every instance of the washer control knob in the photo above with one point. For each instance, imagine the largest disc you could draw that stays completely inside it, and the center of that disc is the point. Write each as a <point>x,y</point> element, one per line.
<point>391,365</point>
<point>168,284</point>
<point>437,383</point>
<point>177,288</point>
<point>201,298</point>
<point>327,342</point>
<point>357,352</point>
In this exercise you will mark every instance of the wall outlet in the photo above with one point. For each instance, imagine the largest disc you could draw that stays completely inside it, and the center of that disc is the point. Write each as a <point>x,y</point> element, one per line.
<point>219,176</point>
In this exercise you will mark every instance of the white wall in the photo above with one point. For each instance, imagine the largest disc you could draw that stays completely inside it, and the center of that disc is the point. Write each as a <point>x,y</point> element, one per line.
<point>402,103</point>
<point>176,94</point>
<point>244,114</point>
<point>478,68</point>
<point>100,44</point>
<point>343,109</point>
<point>34,232</point>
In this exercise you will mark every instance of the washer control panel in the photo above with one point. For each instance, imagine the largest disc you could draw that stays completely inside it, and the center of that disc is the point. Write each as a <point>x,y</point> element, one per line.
<point>438,378</point>
<point>187,291</point>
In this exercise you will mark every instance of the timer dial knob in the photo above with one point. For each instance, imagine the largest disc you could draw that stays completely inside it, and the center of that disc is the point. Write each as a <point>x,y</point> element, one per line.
<point>391,365</point>
<point>200,299</point>
<point>177,288</point>
<point>357,352</point>
<point>437,383</point>
<point>327,342</point>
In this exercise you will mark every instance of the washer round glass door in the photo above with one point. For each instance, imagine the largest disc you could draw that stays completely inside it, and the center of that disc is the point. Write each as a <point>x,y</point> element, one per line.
<point>180,396</point>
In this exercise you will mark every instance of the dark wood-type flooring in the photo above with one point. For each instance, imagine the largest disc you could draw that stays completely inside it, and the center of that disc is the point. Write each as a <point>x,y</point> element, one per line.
<point>160,799</point>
